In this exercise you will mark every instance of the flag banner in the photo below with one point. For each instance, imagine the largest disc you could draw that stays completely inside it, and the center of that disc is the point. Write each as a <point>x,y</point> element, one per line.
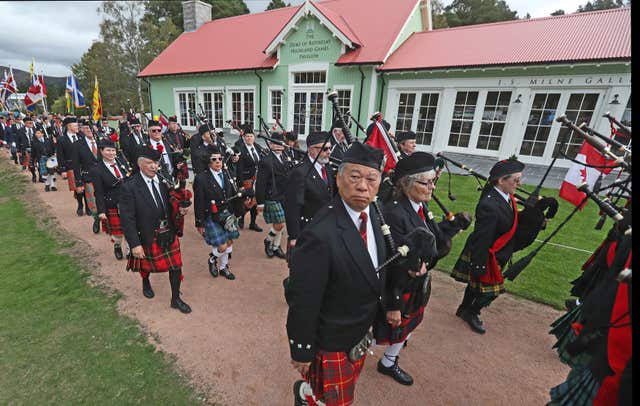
<point>34,94</point>
<point>43,87</point>
<point>97,102</point>
<point>578,174</point>
<point>378,139</point>
<point>74,90</point>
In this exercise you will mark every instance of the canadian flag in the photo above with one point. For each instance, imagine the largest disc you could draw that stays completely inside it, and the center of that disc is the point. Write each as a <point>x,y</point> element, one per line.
<point>578,173</point>
<point>379,139</point>
<point>34,93</point>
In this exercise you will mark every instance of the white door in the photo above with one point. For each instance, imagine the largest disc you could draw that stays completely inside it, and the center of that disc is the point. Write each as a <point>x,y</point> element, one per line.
<point>308,108</point>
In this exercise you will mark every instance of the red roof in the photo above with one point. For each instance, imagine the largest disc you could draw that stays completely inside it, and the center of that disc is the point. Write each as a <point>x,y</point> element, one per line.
<point>237,43</point>
<point>597,35</point>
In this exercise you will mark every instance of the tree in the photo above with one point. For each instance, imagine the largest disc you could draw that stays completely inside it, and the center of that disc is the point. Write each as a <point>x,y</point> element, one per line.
<point>172,10</point>
<point>602,5</point>
<point>559,12</point>
<point>277,4</point>
<point>438,17</point>
<point>468,12</point>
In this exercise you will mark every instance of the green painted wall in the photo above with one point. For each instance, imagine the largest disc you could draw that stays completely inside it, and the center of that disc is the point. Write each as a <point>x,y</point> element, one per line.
<point>414,24</point>
<point>311,42</point>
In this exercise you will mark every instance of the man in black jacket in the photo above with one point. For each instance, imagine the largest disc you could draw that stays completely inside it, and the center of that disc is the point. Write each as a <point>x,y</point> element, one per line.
<point>271,184</point>
<point>149,227</point>
<point>201,152</point>
<point>26,136</point>
<point>335,290</point>
<point>42,149</point>
<point>65,153</point>
<point>247,167</point>
<point>85,157</point>
<point>406,143</point>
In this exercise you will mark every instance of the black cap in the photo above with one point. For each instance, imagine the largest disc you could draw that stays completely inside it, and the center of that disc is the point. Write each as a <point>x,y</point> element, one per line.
<point>318,137</point>
<point>415,163</point>
<point>385,124</point>
<point>134,121</point>
<point>149,153</point>
<point>68,120</point>
<point>85,122</point>
<point>27,118</point>
<point>505,167</point>
<point>363,154</point>
<point>292,136</point>
<point>106,144</point>
<point>277,136</point>
<point>154,123</point>
<point>173,119</point>
<point>203,129</point>
<point>405,135</point>
<point>246,128</point>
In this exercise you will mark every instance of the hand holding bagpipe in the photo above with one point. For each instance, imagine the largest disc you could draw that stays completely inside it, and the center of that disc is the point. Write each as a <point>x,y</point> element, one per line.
<point>180,200</point>
<point>623,128</point>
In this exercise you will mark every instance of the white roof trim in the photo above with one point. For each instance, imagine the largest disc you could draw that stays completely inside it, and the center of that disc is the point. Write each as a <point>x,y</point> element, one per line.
<point>307,8</point>
<point>404,26</point>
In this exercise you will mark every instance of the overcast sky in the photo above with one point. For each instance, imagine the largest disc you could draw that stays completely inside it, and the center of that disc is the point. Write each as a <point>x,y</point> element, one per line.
<point>57,33</point>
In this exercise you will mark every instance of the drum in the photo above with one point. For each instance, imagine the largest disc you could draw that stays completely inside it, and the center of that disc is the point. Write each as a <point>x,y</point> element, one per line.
<point>52,163</point>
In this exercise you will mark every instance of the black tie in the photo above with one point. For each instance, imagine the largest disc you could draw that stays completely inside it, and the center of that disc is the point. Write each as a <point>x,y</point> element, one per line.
<point>156,195</point>
<point>253,153</point>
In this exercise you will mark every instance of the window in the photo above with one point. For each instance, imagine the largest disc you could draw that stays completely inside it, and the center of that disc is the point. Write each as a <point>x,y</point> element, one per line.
<point>276,105</point>
<point>494,117</point>
<point>426,118</point>
<point>299,112</point>
<point>309,77</point>
<point>579,110</point>
<point>462,123</point>
<point>406,105</point>
<point>186,105</point>
<point>213,108</point>
<point>543,111</point>
<point>316,107</point>
<point>344,100</point>
<point>242,107</point>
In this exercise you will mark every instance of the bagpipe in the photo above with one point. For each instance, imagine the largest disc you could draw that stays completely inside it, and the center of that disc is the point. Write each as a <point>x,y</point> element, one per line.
<point>185,134</point>
<point>289,163</point>
<point>179,197</point>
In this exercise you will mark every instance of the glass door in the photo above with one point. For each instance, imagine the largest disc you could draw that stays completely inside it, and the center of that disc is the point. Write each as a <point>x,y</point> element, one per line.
<point>308,108</point>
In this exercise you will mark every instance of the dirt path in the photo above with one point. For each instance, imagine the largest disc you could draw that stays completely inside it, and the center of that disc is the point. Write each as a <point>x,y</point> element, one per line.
<point>234,342</point>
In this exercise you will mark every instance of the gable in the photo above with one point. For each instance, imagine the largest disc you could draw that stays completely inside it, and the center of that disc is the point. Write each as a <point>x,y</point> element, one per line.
<point>310,42</point>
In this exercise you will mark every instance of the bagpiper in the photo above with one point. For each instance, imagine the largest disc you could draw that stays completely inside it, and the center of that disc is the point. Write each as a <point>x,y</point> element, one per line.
<point>65,154</point>
<point>250,155</point>
<point>43,148</point>
<point>86,157</point>
<point>26,135</point>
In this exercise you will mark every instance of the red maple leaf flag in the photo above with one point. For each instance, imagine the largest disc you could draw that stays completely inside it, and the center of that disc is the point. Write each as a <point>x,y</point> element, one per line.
<point>378,139</point>
<point>579,173</point>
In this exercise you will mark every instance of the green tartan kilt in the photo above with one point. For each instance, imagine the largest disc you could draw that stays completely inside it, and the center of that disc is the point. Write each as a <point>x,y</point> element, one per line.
<point>273,212</point>
<point>563,331</point>
<point>216,235</point>
<point>579,389</point>
<point>462,273</point>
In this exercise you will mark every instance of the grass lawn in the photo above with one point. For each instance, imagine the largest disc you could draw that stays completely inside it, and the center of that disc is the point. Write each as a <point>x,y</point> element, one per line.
<point>547,278</point>
<point>61,340</point>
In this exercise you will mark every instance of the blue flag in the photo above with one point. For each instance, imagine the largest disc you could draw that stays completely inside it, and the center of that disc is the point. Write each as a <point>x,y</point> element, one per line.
<point>74,90</point>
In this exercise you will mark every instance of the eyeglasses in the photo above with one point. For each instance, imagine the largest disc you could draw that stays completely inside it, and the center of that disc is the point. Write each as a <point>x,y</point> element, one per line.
<point>155,130</point>
<point>428,183</point>
<point>325,149</point>
<point>215,159</point>
<point>356,179</point>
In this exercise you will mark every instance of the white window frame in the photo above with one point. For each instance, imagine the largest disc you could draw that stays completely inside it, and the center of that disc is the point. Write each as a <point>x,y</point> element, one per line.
<point>476,134</point>
<point>176,105</point>
<point>283,95</point>
<point>475,122</point>
<point>307,87</point>
<point>214,89</point>
<point>229,100</point>
<point>350,88</point>
<point>416,111</point>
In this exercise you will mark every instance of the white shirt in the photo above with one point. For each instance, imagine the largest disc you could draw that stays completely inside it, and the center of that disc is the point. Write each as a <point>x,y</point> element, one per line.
<point>113,172</point>
<point>278,155</point>
<point>504,195</point>
<point>88,141</point>
<point>416,207</point>
<point>318,167</point>
<point>149,182</point>
<point>165,156</point>
<point>253,152</point>
<point>371,238</point>
<point>216,176</point>
<point>71,135</point>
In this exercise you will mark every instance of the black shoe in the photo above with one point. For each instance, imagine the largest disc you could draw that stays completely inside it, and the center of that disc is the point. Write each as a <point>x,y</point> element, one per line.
<point>570,304</point>
<point>227,273</point>
<point>88,211</point>
<point>117,251</point>
<point>267,248</point>
<point>460,311</point>
<point>146,288</point>
<point>279,253</point>
<point>180,305</point>
<point>80,212</point>
<point>41,180</point>
<point>474,322</point>
<point>47,188</point>
<point>213,267</point>
<point>241,223</point>
<point>297,399</point>
<point>396,373</point>
<point>254,227</point>
<point>96,226</point>
<point>33,179</point>
<point>54,189</point>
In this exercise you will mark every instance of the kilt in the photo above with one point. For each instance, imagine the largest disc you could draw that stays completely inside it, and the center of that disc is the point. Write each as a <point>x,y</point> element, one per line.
<point>42,166</point>
<point>562,329</point>
<point>89,193</point>
<point>383,332</point>
<point>71,180</point>
<point>333,377</point>
<point>462,273</point>
<point>578,390</point>
<point>112,224</point>
<point>273,212</point>
<point>215,235</point>
<point>157,259</point>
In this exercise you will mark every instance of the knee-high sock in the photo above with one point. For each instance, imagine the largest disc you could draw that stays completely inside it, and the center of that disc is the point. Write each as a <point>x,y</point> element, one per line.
<point>216,254</point>
<point>391,353</point>
<point>254,214</point>
<point>116,239</point>
<point>175,281</point>
<point>307,394</point>
<point>271,235</point>
<point>224,259</point>
<point>277,239</point>
<point>79,199</point>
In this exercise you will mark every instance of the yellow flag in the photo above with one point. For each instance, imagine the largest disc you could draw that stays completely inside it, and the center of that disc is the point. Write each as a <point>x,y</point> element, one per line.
<point>97,103</point>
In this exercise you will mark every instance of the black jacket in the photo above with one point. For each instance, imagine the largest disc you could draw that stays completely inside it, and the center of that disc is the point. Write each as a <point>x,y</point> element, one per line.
<point>338,149</point>
<point>42,148</point>
<point>246,166</point>
<point>84,161</point>
<point>271,182</point>
<point>130,146</point>
<point>107,187</point>
<point>23,141</point>
<point>65,152</point>
<point>200,156</point>
<point>206,189</point>
<point>334,293</point>
<point>138,211</point>
<point>306,193</point>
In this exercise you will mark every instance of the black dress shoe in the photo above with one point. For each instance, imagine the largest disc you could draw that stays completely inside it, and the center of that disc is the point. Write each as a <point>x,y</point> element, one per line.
<point>213,267</point>
<point>227,273</point>
<point>41,180</point>
<point>96,226</point>
<point>80,211</point>
<point>88,211</point>
<point>460,311</point>
<point>117,251</point>
<point>53,188</point>
<point>180,305</point>
<point>397,373</point>
<point>267,248</point>
<point>254,227</point>
<point>47,188</point>
<point>474,322</point>
<point>146,288</point>
<point>279,253</point>
<point>298,400</point>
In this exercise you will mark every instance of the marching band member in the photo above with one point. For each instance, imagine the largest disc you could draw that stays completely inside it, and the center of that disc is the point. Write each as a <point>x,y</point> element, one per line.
<point>42,149</point>
<point>175,135</point>
<point>406,143</point>
<point>26,136</point>
<point>168,163</point>
<point>491,244</point>
<point>201,152</point>
<point>146,216</point>
<point>250,155</point>
<point>108,177</point>
<point>334,292</point>
<point>271,184</point>
<point>212,188</point>
<point>65,153</point>
<point>292,140</point>
<point>85,158</point>
<point>132,140</point>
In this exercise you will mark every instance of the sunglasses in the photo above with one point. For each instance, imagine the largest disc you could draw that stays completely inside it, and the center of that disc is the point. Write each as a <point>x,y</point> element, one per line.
<point>155,130</point>
<point>427,183</point>
<point>215,159</point>
<point>325,149</point>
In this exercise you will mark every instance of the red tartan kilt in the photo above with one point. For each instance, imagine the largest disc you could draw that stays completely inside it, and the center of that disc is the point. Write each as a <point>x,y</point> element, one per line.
<point>382,329</point>
<point>112,224</point>
<point>71,179</point>
<point>333,377</point>
<point>492,277</point>
<point>157,259</point>
<point>248,184</point>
